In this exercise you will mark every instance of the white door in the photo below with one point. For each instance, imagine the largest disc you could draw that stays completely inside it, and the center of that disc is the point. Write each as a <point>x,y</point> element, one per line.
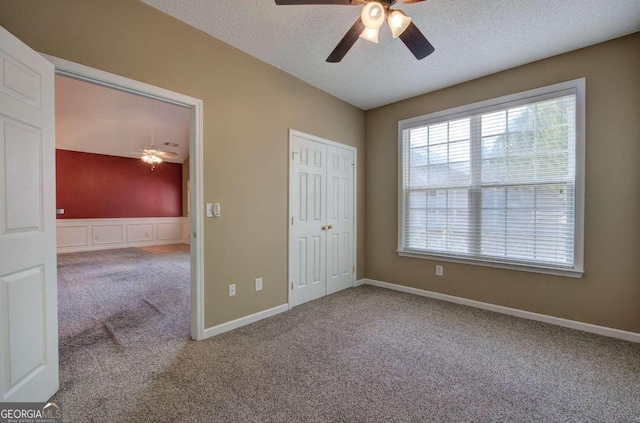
<point>321,236</point>
<point>28,295</point>
<point>340,260</point>
<point>307,250</point>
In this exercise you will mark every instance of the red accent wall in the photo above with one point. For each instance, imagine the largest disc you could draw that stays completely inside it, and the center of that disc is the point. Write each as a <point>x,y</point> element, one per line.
<point>97,186</point>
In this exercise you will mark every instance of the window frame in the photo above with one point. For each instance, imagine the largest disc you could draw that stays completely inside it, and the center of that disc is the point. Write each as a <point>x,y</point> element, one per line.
<point>576,87</point>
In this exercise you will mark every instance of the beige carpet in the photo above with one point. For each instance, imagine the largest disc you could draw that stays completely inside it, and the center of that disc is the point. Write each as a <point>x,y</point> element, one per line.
<point>362,355</point>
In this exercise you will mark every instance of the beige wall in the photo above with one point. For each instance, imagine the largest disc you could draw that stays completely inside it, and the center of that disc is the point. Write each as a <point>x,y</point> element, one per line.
<point>609,292</point>
<point>248,108</point>
<point>185,179</point>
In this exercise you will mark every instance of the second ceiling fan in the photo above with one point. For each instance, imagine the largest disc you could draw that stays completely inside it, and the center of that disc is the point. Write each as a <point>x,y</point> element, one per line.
<point>374,14</point>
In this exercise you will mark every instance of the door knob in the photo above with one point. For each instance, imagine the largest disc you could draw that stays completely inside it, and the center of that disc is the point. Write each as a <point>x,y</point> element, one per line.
<point>324,228</point>
<point>330,227</point>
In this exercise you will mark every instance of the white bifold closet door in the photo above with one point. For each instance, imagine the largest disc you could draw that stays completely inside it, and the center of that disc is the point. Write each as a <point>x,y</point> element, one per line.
<point>321,239</point>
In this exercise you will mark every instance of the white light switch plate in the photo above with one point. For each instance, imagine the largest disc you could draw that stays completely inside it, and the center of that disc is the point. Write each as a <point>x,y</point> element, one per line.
<point>259,284</point>
<point>232,290</point>
<point>213,209</point>
<point>439,271</point>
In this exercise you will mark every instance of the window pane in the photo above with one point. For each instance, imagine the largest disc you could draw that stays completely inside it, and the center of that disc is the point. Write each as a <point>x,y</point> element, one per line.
<point>494,170</point>
<point>493,147</point>
<point>417,199</point>
<point>460,151</point>
<point>437,199</point>
<point>458,221</point>
<point>494,123</point>
<point>416,225</point>
<point>551,167</point>
<point>493,232</point>
<point>419,177</point>
<point>418,137</point>
<point>554,222</point>
<point>460,130</point>
<point>438,133</point>
<point>419,156</point>
<point>438,154</point>
<point>439,175</point>
<point>460,174</point>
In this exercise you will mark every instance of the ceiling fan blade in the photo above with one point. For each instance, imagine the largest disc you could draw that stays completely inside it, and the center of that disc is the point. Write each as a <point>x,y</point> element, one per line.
<point>334,2</point>
<point>416,42</point>
<point>168,153</point>
<point>347,42</point>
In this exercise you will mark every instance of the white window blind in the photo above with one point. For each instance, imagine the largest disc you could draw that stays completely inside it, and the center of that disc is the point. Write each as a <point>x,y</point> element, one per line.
<point>495,184</point>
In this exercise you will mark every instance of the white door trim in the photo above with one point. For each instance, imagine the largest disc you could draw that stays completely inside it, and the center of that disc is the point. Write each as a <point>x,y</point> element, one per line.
<point>293,133</point>
<point>95,76</point>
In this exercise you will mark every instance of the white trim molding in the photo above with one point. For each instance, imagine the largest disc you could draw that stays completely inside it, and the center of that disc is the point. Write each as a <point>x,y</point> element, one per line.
<point>474,255</point>
<point>572,324</point>
<point>243,321</point>
<point>186,224</point>
<point>77,235</point>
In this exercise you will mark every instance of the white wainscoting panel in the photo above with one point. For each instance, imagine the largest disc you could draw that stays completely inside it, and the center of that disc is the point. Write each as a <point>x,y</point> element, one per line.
<point>75,235</point>
<point>107,234</point>
<point>172,230</point>
<point>139,232</point>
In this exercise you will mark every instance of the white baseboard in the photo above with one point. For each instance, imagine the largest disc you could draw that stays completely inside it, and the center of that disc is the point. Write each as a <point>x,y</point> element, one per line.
<point>572,324</point>
<point>243,321</point>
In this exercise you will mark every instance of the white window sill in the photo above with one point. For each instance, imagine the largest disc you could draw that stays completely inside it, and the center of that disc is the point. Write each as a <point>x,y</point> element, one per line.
<point>557,271</point>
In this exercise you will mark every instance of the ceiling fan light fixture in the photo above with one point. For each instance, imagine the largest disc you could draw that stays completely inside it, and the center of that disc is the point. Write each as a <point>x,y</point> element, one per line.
<point>398,22</point>
<point>152,158</point>
<point>370,34</point>
<point>373,15</point>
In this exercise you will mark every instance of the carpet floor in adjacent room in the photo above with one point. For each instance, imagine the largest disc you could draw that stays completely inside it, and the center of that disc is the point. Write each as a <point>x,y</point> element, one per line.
<point>361,355</point>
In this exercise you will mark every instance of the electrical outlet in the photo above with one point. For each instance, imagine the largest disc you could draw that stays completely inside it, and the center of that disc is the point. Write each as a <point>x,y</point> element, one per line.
<point>439,271</point>
<point>232,290</point>
<point>97,237</point>
<point>259,284</point>
<point>146,234</point>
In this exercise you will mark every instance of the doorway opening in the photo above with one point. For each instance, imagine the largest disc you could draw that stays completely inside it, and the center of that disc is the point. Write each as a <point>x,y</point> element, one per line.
<point>195,175</point>
<point>129,255</point>
<point>122,168</point>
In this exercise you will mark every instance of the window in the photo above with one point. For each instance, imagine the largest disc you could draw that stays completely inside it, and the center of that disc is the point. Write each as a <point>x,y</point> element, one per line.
<point>497,183</point>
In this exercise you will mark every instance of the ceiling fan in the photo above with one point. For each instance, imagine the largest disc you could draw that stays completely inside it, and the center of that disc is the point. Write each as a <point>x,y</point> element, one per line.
<point>152,154</point>
<point>373,16</point>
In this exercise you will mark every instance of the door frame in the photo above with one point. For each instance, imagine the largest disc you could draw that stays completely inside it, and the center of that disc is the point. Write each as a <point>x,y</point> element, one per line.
<point>196,223</point>
<point>293,133</point>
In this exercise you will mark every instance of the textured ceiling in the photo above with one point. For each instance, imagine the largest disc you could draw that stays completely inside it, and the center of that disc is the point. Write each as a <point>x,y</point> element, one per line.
<point>473,38</point>
<point>95,119</point>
